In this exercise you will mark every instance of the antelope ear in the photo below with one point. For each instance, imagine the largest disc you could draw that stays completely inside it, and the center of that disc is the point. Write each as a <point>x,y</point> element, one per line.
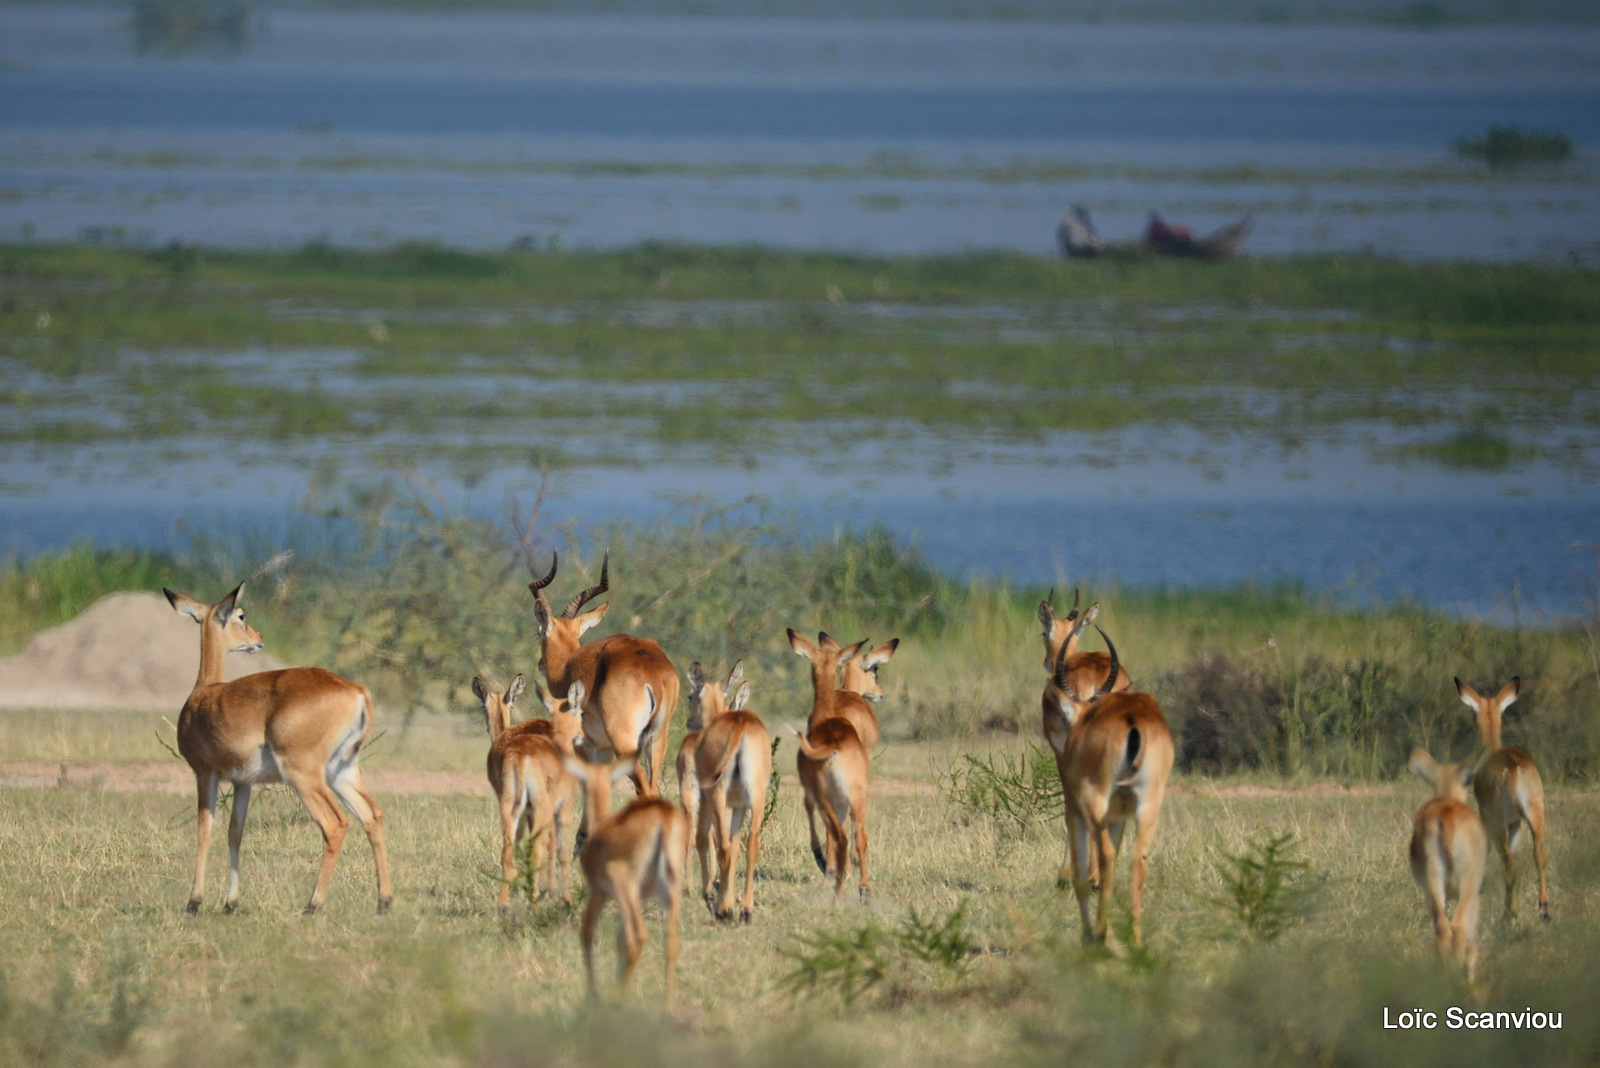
<point>1469,696</point>
<point>541,614</point>
<point>1508,695</point>
<point>223,609</point>
<point>1047,618</point>
<point>517,685</point>
<point>801,646</point>
<point>850,651</point>
<point>186,606</point>
<point>1468,771</point>
<point>734,676</point>
<point>549,700</point>
<point>742,698</point>
<point>589,619</point>
<point>697,679</point>
<point>1422,765</point>
<point>1094,610</point>
<point>826,643</point>
<point>479,690</point>
<point>881,654</point>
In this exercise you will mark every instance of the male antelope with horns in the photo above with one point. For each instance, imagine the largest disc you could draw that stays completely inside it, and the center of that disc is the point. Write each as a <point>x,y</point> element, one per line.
<point>303,726</point>
<point>631,686</point>
<point>1083,674</point>
<point>1119,754</point>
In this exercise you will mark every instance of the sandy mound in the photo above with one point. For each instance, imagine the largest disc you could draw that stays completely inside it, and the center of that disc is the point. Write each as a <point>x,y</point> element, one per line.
<point>127,650</point>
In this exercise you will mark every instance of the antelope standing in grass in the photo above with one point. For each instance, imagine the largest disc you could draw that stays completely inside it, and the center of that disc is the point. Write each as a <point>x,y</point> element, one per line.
<point>527,773</point>
<point>1509,791</point>
<point>304,726</point>
<point>833,763</point>
<point>631,686</point>
<point>733,765</point>
<point>1084,673</point>
<point>1118,755</point>
<point>1449,852</point>
<point>632,853</point>
<point>688,782</point>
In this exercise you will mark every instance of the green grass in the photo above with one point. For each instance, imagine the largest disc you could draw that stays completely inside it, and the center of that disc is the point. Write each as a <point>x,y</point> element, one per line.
<point>101,965</point>
<point>745,353</point>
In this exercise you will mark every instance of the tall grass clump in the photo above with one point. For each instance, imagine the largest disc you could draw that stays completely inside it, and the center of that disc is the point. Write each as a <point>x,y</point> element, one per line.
<point>1014,791</point>
<point>1264,886</point>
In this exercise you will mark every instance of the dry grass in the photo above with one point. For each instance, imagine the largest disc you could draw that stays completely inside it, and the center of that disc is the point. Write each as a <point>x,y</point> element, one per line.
<point>102,965</point>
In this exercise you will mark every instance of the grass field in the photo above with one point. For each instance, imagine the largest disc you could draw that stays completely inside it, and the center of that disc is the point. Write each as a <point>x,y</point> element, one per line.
<point>101,964</point>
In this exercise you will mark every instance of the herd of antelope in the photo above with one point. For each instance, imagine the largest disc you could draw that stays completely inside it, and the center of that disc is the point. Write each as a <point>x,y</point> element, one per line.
<point>610,704</point>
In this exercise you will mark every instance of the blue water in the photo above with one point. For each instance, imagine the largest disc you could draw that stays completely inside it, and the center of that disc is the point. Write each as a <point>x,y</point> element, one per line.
<point>202,98</point>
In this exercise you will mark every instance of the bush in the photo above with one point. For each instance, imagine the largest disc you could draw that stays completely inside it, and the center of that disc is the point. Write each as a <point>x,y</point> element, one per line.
<point>1507,146</point>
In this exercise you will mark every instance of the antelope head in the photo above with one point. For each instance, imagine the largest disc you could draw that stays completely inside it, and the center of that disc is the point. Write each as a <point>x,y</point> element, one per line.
<point>559,634</point>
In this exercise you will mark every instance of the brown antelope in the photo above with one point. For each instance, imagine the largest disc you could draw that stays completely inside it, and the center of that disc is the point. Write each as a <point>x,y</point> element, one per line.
<point>527,774</point>
<point>304,726</point>
<point>1119,754</point>
<point>1509,791</point>
<point>632,687</point>
<point>861,676</point>
<point>733,765</point>
<point>833,763</point>
<point>1449,852</point>
<point>634,852</point>
<point>688,781</point>
<point>852,701</point>
<point>1085,672</point>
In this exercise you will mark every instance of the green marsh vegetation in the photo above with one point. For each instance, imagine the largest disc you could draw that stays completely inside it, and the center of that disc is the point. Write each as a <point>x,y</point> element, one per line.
<point>740,353</point>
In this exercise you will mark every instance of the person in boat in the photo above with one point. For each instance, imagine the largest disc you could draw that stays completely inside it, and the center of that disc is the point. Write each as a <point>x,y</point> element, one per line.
<point>1076,234</point>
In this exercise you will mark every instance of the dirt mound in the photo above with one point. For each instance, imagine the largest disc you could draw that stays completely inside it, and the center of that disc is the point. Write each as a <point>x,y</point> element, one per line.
<point>127,650</point>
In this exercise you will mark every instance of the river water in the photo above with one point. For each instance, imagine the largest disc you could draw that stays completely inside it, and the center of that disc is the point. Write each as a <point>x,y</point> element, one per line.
<point>492,130</point>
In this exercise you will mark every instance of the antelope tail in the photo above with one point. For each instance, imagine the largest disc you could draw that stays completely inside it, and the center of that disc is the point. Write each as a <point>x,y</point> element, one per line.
<point>812,752</point>
<point>1132,758</point>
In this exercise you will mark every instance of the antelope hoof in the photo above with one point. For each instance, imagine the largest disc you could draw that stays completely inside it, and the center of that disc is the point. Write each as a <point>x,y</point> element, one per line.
<point>383,905</point>
<point>311,909</point>
<point>744,915</point>
<point>230,907</point>
<point>577,843</point>
<point>866,895</point>
<point>1544,911</point>
<point>193,906</point>
<point>822,863</point>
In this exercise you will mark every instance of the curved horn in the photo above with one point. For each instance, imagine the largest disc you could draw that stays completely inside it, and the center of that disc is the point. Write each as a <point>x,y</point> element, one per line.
<point>1111,679</point>
<point>1051,600</point>
<point>1074,613</point>
<point>593,591</point>
<point>536,587</point>
<point>1059,676</point>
